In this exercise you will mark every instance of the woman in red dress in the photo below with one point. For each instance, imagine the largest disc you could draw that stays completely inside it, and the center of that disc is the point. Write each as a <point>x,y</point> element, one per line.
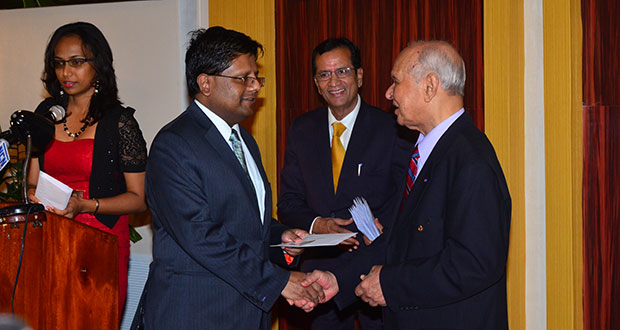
<point>98,150</point>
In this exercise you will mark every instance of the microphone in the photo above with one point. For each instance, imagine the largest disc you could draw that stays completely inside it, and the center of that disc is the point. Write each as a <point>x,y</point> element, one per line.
<point>36,132</point>
<point>56,113</point>
<point>40,128</point>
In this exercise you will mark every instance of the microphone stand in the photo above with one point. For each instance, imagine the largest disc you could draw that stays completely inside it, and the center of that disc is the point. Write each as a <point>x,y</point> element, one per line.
<point>18,213</point>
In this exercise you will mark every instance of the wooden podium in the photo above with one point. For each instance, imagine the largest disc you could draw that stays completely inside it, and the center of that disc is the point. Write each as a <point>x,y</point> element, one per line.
<point>68,277</point>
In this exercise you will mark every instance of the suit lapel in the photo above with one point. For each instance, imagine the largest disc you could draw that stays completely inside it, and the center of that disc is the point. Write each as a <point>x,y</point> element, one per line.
<point>215,139</point>
<point>255,152</point>
<point>360,136</point>
<point>425,178</point>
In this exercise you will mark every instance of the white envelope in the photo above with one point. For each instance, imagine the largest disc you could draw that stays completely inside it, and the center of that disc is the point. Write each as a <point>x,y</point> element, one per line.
<point>318,240</point>
<point>52,192</point>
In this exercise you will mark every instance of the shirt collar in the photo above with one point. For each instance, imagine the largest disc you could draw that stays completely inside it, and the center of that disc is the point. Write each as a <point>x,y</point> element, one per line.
<point>427,142</point>
<point>349,120</point>
<point>219,123</point>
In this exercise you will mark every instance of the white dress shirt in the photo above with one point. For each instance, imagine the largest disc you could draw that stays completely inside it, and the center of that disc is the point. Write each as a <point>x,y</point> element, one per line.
<point>253,172</point>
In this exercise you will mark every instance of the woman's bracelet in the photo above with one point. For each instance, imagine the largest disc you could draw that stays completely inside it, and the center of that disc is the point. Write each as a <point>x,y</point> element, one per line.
<point>96,206</point>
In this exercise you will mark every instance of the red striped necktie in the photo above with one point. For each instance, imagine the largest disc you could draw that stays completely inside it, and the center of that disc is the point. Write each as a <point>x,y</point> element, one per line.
<point>411,174</point>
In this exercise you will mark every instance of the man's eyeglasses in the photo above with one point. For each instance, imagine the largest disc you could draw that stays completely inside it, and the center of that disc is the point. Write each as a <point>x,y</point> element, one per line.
<point>340,74</point>
<point>73,62</point>
<point>247,80</point>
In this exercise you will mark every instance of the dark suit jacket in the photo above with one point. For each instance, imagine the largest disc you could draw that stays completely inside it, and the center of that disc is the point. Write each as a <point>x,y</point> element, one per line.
<point>445,257</point>
<point>306,184</point>
<point>211,267</point>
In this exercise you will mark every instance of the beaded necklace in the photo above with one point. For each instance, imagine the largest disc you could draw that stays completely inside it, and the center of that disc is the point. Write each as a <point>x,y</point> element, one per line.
<point>76,134</point>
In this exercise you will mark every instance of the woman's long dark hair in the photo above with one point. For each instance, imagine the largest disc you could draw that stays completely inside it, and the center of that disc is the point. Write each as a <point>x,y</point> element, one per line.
<point>94,43</point>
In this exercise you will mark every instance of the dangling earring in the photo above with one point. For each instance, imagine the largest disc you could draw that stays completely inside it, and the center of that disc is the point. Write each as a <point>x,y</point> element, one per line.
<point>62,93</point>
<point>97,85</point>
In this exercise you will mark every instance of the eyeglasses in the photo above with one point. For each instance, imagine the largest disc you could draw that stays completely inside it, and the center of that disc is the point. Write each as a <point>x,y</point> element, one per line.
<point>247,80</point>
<point>73,62</point>
<point>340,74</point>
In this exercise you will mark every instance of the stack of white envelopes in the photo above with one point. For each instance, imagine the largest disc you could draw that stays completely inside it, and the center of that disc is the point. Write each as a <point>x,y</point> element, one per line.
<point>363,218</point>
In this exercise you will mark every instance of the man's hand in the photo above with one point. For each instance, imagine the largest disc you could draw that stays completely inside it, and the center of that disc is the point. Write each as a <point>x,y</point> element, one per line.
<point>326,280</point>
<point>293,235</point>
<point>369,290</point>
<point>304,297</point>
<point>335,226</point>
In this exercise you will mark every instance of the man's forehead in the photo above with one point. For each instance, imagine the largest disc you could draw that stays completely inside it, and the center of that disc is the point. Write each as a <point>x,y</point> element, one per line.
<point>243,61</point>
<point>405,59</point>
<point>334,55</point>
<point>411,54</point>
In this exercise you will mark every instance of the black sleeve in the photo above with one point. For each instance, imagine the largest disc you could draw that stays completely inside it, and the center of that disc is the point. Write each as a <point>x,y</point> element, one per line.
<point>132,147</point>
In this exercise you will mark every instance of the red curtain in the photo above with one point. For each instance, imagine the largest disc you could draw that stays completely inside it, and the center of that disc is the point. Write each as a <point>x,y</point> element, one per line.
<point>381,29</point>
<point>601,169</point>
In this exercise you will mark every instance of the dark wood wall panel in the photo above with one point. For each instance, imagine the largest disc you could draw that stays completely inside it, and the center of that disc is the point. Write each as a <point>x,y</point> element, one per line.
<point>601,169</point>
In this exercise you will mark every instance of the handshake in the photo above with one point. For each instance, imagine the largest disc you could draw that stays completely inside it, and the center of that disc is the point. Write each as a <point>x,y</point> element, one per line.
<point>306,291</point>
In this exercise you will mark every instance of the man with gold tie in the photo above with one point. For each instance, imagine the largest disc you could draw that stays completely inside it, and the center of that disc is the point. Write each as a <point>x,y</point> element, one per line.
<point>334,154</point>
<point>442,264</point>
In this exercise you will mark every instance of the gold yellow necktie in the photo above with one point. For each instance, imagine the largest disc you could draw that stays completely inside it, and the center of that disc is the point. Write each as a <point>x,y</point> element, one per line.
<point>337,153</point>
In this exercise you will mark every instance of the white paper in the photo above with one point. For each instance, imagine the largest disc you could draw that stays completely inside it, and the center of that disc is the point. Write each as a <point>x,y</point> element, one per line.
<point>318,240</point>
<point>52,192</point>
<point>363,218</point>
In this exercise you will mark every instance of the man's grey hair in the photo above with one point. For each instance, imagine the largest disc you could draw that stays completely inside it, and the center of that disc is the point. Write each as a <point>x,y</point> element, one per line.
<point>435,56</point>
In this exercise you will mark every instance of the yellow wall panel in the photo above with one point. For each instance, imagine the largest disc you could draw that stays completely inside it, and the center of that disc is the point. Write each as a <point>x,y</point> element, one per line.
<point>563,145</point>
<point>504,125</point>
<point>259,24</point>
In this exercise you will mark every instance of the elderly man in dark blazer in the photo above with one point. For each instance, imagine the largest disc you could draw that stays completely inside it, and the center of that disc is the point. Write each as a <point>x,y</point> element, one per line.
<point>317,187</point>
<point>442,265</point>
<point>211,202</point>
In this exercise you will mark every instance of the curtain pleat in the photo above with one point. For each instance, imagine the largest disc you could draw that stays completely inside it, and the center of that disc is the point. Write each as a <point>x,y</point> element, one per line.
<point>601,169</point>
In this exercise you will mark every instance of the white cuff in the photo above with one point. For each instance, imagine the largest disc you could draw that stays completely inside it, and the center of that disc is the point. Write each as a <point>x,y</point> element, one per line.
<point>312,225</point>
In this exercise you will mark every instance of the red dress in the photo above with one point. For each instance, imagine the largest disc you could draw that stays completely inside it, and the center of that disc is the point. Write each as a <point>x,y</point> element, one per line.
<point>71,163</point>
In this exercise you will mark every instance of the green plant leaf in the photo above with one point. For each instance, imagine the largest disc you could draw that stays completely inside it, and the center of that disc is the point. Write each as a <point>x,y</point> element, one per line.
<point>134,236</point>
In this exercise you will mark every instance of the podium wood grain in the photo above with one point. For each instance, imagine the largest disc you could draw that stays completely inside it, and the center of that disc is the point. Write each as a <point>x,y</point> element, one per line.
<point>68,278</point>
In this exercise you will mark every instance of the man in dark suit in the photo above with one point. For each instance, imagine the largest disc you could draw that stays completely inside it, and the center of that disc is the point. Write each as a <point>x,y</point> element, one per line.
<point>318,187</point>
<point>211,202</point>
<point>442,265</point>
